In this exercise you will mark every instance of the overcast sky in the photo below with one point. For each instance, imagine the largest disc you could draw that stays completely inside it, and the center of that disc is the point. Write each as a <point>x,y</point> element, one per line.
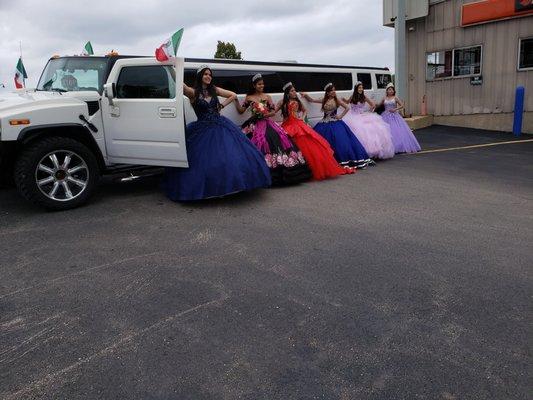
<point>347,32</point>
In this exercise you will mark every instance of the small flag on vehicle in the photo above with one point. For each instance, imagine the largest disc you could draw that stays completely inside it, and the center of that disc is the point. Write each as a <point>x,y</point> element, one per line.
<point>88,49</point>
<point>20,74</point>
<point>169,49</point>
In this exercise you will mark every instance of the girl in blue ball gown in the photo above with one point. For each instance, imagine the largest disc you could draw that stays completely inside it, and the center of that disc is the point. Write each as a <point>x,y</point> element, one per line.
<point>221,159</point>
<point>347,149</point>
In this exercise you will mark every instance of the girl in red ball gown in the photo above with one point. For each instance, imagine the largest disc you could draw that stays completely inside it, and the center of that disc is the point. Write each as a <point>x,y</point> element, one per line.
<point>315,149</point>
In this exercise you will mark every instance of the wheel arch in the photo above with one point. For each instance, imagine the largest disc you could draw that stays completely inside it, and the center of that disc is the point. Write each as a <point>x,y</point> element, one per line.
<point>74,131</point>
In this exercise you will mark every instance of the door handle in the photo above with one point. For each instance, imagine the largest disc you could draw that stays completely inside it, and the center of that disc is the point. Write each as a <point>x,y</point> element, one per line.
<point>167,112</point>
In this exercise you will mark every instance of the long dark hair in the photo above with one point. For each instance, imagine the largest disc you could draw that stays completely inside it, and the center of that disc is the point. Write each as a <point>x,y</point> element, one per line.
<point>211,88</point>
<point>252,90</point>
<point>356,97</point>
<point>286,100</point>
<point>326,98</point>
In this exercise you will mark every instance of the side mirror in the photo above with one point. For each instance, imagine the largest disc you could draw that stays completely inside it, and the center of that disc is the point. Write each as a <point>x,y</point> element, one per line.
<point>110,91</point>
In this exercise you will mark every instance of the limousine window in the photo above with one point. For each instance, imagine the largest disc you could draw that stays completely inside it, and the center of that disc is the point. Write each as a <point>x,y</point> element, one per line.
<point>365,79</point>
<point>239,81</point>
<point>315,81</point>
<point>383,80</point>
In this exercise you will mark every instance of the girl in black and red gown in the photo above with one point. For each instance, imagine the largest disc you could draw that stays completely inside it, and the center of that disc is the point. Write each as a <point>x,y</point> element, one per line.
<point>315,149</point>
<point>284,159</point>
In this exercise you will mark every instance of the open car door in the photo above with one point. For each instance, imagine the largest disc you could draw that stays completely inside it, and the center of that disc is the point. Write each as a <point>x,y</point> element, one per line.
<point>143,113</point>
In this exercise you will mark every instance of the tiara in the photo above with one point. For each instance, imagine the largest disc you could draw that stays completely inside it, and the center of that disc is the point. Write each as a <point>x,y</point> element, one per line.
<point>201,68</point>
<point>288,84</point>
<point>389,85</point>
<point>358,83</point>
<point>328,85</point>
<point>256,77</point>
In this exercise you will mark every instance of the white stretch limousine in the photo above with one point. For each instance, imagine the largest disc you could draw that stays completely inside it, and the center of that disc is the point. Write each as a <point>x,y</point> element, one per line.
<point>236,76</point>
<point>94,115</point>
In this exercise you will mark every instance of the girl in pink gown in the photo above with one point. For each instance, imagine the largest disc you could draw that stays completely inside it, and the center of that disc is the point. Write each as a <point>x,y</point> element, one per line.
<point>373,133</point>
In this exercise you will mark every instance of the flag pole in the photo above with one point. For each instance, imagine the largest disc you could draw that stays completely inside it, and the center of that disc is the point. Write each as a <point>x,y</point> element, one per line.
<point>20,46</point>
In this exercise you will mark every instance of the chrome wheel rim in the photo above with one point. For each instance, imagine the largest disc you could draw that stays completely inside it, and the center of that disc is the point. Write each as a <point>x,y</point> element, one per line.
<point>62,175</point>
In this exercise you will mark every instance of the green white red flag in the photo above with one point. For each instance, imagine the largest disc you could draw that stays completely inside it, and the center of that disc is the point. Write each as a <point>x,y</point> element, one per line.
<point>88,49</point>
<point>20,74</point>
<point>169,49</point>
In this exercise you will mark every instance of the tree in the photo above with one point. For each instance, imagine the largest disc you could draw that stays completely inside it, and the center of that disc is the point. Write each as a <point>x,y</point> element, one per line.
<point>228,51</point>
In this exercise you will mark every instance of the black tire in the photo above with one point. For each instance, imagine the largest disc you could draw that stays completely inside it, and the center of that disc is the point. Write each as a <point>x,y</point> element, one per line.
<point>26,172</point>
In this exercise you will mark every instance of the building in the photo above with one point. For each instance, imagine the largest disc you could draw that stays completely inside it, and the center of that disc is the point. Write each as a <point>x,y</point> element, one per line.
<point>466,59</point>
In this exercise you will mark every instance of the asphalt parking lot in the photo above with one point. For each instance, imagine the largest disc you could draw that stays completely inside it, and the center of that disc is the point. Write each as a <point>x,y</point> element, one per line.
<point>409,280</point>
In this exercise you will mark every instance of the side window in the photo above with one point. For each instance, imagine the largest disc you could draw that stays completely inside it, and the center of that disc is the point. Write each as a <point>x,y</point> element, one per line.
<point>146,82</point>
<point>189,76</point>
<point>234,80</point>
<point>315,81</point>
<point>383,80</point>
<point>365,79</point>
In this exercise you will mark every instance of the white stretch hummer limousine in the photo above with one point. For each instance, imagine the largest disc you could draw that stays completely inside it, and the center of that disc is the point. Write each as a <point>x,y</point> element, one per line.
<point>95,115</point>
<point>87,116</point>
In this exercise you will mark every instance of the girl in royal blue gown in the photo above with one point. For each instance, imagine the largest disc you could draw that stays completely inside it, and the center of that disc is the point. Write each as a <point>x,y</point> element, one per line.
<point>221,159</point>
<point>347,149</point>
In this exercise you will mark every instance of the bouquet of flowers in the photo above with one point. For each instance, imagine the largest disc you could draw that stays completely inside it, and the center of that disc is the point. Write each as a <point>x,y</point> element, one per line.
<point>260,110</point>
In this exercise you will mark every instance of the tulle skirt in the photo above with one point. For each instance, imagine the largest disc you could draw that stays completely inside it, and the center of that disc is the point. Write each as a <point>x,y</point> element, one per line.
<point>402,137</point>
<point>285,161</point>
<point>346,147</point>
<point>315,149</point>
<point>221,161</point>
<point>372,132</point>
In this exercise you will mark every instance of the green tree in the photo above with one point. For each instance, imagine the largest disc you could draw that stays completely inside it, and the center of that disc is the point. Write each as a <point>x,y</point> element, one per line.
<point>228,51</point>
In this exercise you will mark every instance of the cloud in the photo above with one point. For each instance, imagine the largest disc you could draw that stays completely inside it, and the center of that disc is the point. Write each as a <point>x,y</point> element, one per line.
<point>347,32</point>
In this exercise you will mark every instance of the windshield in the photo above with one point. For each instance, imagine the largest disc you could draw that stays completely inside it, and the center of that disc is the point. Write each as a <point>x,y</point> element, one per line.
<point>73,74</point>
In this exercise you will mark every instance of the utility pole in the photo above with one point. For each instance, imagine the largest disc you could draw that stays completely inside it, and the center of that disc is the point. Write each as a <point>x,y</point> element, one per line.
<point>400,60</point>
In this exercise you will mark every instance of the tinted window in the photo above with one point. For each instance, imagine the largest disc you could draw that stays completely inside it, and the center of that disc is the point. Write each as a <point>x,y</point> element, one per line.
<point>315,81</point>
<point>467,61</point>
<point>383,80</point>
<point>365,79</point>
<point>526,53</point>
<point>239,81</point>
<point>148,82</point>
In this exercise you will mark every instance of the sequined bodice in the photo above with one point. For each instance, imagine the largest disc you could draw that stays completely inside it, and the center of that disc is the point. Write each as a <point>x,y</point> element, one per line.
<point>358,108</point>
<point>330,111</point>
<point>293,109</point>
<point>389,104</point>
<point>206,110</point>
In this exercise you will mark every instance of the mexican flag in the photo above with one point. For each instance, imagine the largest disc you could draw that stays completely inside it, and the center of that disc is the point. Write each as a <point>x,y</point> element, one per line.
<point>169,49</point>
<point>20,75</point>
<point>88,49</point>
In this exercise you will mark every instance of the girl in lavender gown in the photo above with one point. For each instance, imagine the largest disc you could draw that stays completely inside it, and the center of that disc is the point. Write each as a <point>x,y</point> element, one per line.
<point>402,136</point>
<point>373,133</point>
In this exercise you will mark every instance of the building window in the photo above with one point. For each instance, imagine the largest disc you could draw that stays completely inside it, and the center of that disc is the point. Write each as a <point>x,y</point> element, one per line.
<point>525,53</point>
<point>439,65</point>
<point>467,61</point>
